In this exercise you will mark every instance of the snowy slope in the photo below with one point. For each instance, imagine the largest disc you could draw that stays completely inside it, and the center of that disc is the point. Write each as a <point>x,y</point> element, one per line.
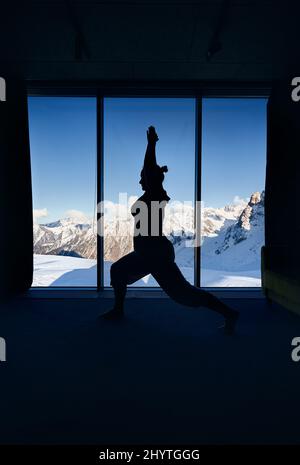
<point>55,270</point>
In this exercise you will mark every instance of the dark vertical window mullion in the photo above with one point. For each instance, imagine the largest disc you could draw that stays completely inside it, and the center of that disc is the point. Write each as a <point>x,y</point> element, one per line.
<point>100,179</point>
<point>197,216</point>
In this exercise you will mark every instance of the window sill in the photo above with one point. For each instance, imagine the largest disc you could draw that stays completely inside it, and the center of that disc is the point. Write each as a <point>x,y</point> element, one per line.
<point>132,293</point>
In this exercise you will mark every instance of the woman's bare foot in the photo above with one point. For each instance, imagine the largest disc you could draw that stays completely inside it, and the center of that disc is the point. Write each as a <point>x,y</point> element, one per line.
<point>230,323</point>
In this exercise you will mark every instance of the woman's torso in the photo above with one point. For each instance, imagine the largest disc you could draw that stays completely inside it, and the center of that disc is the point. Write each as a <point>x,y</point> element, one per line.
<point>148,212</point>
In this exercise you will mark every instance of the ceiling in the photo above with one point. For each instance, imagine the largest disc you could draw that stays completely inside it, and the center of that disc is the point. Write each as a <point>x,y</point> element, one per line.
<point>150,40</point>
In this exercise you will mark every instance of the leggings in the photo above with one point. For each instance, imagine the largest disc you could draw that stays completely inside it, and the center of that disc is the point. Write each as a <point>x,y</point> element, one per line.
<point>135,266</point>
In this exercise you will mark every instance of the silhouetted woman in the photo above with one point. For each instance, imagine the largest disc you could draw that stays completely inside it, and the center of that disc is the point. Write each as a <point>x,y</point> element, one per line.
<point>153,252</point>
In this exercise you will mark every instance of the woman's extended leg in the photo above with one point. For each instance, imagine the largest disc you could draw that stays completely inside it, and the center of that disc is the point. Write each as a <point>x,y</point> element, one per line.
<point>126,270</point>
<point>171,280</point>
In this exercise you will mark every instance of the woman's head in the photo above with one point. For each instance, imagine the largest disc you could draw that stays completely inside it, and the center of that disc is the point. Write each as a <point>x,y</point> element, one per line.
<point>157,177</point>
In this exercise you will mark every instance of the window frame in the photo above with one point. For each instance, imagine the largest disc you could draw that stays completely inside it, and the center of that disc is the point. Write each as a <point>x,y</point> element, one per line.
<point>143,89</point>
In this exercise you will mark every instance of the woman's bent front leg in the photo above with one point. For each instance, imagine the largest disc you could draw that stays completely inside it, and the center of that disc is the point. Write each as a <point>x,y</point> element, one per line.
<point>126,270</point>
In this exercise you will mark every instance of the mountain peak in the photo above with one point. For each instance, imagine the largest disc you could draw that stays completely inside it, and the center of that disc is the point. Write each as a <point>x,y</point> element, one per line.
<point>255,198</point>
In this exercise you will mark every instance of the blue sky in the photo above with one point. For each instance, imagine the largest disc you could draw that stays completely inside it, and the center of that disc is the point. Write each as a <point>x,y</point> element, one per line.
<point>63,149</point>
<point>63,154</point>
<point>233,148</point>
<point>125,125</point>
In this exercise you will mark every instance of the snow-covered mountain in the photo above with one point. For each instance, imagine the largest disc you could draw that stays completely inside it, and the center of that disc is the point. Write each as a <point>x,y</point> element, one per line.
<point>237,246</point>
<point>232,235</point>
<point>65,237</point>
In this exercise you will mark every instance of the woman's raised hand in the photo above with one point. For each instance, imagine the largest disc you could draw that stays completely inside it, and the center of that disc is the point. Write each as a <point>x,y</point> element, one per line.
<point>151,134</point>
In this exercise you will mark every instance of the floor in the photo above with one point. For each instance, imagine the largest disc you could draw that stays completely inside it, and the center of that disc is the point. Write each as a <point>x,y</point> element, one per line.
<point>165,374</point>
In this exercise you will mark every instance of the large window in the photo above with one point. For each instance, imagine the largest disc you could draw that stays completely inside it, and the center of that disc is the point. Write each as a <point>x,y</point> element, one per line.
<point>233,179</point>
<point>125,124</point>
<point>223,169</point>
<point>63,161</point>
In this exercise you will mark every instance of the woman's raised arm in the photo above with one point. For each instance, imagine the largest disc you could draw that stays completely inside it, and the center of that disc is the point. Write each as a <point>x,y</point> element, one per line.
<point>150,156</point>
